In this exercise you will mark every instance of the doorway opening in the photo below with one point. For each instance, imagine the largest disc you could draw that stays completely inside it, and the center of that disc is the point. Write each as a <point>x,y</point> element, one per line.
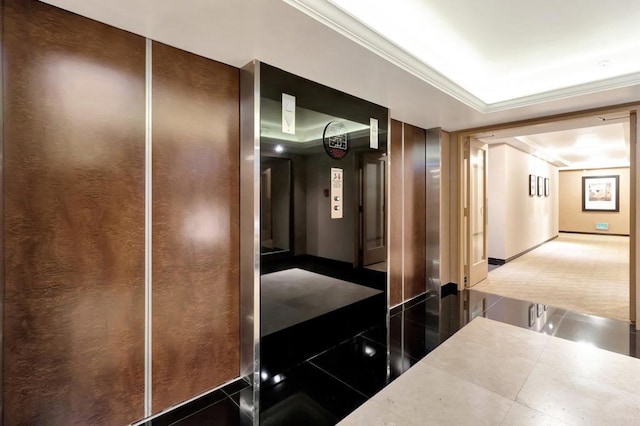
<point>321,267</point>
<point>535,194</point>
<point>372,216</point>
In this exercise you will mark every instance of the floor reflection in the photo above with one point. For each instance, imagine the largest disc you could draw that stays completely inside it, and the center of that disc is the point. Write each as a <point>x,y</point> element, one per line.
<point>612,335</point>
<point>325,384</point>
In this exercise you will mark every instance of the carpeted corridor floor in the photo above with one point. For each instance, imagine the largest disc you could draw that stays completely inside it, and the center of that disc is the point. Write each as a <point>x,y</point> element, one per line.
<point>577,272</point>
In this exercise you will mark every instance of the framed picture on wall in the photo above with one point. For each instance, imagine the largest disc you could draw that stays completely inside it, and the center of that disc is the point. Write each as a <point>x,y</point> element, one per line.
<point>532,185</point>
<point>540,186</point>
<point>546,187</point>
<point>601,193</point>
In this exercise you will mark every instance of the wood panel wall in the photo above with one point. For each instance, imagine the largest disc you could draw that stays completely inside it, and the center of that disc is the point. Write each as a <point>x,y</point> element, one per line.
<point>195,225</point>
<point>74,120</point>
<point>73,113</point>
<point>407,216</point>
<point>395,214</point>
<point>1,209</point>
<point>414,211</point>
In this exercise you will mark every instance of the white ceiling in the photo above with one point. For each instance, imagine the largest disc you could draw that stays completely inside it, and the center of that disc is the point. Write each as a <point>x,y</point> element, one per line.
<point>585,143</point>
<point>237,31</point>
<point>505,52</point>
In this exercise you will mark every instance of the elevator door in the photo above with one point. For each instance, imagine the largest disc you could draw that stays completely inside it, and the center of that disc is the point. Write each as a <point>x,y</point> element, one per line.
<point>374,238</point>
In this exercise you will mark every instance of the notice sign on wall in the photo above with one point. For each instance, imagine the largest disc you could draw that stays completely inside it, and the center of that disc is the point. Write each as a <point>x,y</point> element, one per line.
<point>373,133</point>
<point>288,114</point>
<point>337,184</point>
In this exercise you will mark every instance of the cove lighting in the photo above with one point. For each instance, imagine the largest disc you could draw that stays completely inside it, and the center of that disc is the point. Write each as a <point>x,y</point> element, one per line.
<point>500,54</point>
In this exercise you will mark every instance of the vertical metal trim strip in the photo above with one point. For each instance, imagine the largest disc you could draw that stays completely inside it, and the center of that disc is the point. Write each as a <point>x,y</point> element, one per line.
<point>148,193</point>
<point>402,154</point>
<point>256,247</point>
<point>433,180</point>
<point>250,236</point>
<point>633,219</point>
<point>403,242</point>
<point>388,228</point>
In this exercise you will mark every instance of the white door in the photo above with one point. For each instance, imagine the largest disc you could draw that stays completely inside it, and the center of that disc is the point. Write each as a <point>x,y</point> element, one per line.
<point>475,209</point>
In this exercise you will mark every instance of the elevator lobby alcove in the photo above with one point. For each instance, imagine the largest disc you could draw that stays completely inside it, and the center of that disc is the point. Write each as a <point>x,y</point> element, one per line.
<point>323,225</point>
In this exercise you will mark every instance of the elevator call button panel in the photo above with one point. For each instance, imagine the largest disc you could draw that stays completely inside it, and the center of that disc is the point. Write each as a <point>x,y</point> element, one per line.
<point>336,192</point>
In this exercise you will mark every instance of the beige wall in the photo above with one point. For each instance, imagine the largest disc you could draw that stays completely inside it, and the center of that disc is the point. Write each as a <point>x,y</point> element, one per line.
<point>518,221</point>
<point>573,219</point>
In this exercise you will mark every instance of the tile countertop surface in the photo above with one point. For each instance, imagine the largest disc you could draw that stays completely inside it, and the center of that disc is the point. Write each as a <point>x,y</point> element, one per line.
<point>495,373</point>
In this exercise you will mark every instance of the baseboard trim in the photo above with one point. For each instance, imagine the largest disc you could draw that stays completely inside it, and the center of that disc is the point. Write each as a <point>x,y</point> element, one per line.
<point>448,289</point>
<point>503,261</point>
<point>411,301</point>
<point>595,233</point>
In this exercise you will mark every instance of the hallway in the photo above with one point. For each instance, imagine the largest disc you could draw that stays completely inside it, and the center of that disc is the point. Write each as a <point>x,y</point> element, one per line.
<point>576,272</point>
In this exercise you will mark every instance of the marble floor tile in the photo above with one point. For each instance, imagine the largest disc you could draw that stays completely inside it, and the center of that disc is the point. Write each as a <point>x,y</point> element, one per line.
<point>589,362</point>
<point>484,365</point>
<point>519,415</point>
<point>378,414</point>
<point>577,400</point>
<point>503,338</point>
<point>435,397</point>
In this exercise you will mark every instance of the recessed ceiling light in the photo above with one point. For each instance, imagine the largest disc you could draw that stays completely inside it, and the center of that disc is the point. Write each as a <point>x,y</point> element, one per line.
<point>279,149</point>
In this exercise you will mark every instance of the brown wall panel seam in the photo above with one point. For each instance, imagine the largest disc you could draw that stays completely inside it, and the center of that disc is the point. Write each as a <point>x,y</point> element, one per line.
<point>148,197</point>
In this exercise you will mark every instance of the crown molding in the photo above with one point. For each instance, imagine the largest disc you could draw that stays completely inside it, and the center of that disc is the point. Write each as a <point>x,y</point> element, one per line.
<point>345,24</point>
<point>566,92</point>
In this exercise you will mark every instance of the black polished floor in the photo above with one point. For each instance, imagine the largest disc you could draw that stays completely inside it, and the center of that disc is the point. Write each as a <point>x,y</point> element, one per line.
<point>220,407</point>
<point>325,387</point>
<point>342,377</point>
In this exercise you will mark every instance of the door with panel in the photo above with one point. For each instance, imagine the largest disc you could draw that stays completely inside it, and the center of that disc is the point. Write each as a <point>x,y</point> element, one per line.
<point>475,211</point>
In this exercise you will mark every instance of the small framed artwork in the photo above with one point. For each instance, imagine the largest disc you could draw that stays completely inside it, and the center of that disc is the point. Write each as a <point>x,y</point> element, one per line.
<point>601,193</point>
<point>546,187</point>
<point>532,185</point>
<point>540,186</point>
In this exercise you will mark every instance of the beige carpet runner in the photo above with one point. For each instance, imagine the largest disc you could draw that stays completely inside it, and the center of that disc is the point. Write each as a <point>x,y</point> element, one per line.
<point>581,273</point>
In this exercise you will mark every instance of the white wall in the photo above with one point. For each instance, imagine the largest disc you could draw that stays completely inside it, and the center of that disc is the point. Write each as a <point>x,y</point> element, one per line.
<point>326,237</point>
<point>497,201</point>
<point>518,221</point>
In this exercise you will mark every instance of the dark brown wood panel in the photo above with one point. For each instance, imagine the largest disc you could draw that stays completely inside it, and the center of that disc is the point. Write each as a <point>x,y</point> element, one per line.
<point>414,211</point>
<point>195,225</point>
<point>1,208</point>
<point>73,219</point>
<point>395,215</point>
